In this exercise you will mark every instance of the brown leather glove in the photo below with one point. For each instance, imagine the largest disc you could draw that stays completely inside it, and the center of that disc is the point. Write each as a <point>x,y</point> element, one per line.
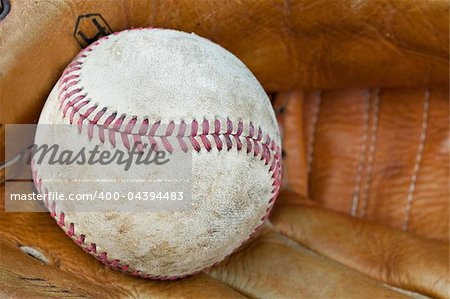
<point>365,127</point>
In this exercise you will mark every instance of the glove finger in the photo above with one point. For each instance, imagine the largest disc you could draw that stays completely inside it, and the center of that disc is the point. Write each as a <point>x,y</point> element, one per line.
<point>273,266</point>
<point>392,256</point>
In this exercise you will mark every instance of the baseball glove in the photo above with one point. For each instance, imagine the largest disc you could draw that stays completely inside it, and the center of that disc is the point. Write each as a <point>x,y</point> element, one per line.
<point>361,93</point>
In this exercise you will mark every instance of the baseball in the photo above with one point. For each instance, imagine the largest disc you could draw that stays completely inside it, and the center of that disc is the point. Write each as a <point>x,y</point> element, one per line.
<point>193,102</point>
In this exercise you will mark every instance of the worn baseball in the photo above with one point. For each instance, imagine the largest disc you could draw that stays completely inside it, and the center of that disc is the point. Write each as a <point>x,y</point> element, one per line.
<point>190,98</point>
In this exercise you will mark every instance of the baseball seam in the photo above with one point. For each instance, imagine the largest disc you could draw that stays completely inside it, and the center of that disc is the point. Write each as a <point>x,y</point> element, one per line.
<point>218,134</point>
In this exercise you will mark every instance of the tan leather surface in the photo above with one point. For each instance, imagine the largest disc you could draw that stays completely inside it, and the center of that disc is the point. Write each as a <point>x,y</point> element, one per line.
<point>342,135</point>
<point>388,255</point>
<point>274,266</point>
<point>349,81</point>
<point>24,277</point>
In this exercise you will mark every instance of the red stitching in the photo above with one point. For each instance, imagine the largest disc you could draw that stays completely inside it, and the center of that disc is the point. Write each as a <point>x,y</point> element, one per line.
<point>167,144</point>
<point>131,125</point>
<point>240,128</point>
<point>144,127</point>
<point>92,248</point>
<point>183,144</point>
<point>217,127</point>
<point>61,219</point>
<point>194,128</point>
<point>153,144</point>
<point>249,144</point>
<point>80,239</point>
<point>71,104</point>
<point>218,141</point>
<point>229,126</point>
<point>72,83</point>
<point>205,127</point>
<point>69,94</point>
<point>181,129</point>
<point>206,142</point>
<point>195,144</point>
<point>170,128</point>
<point>71,230</point>
<point>251,130</point>
<point>154,128</point>
<point>70,79</point>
